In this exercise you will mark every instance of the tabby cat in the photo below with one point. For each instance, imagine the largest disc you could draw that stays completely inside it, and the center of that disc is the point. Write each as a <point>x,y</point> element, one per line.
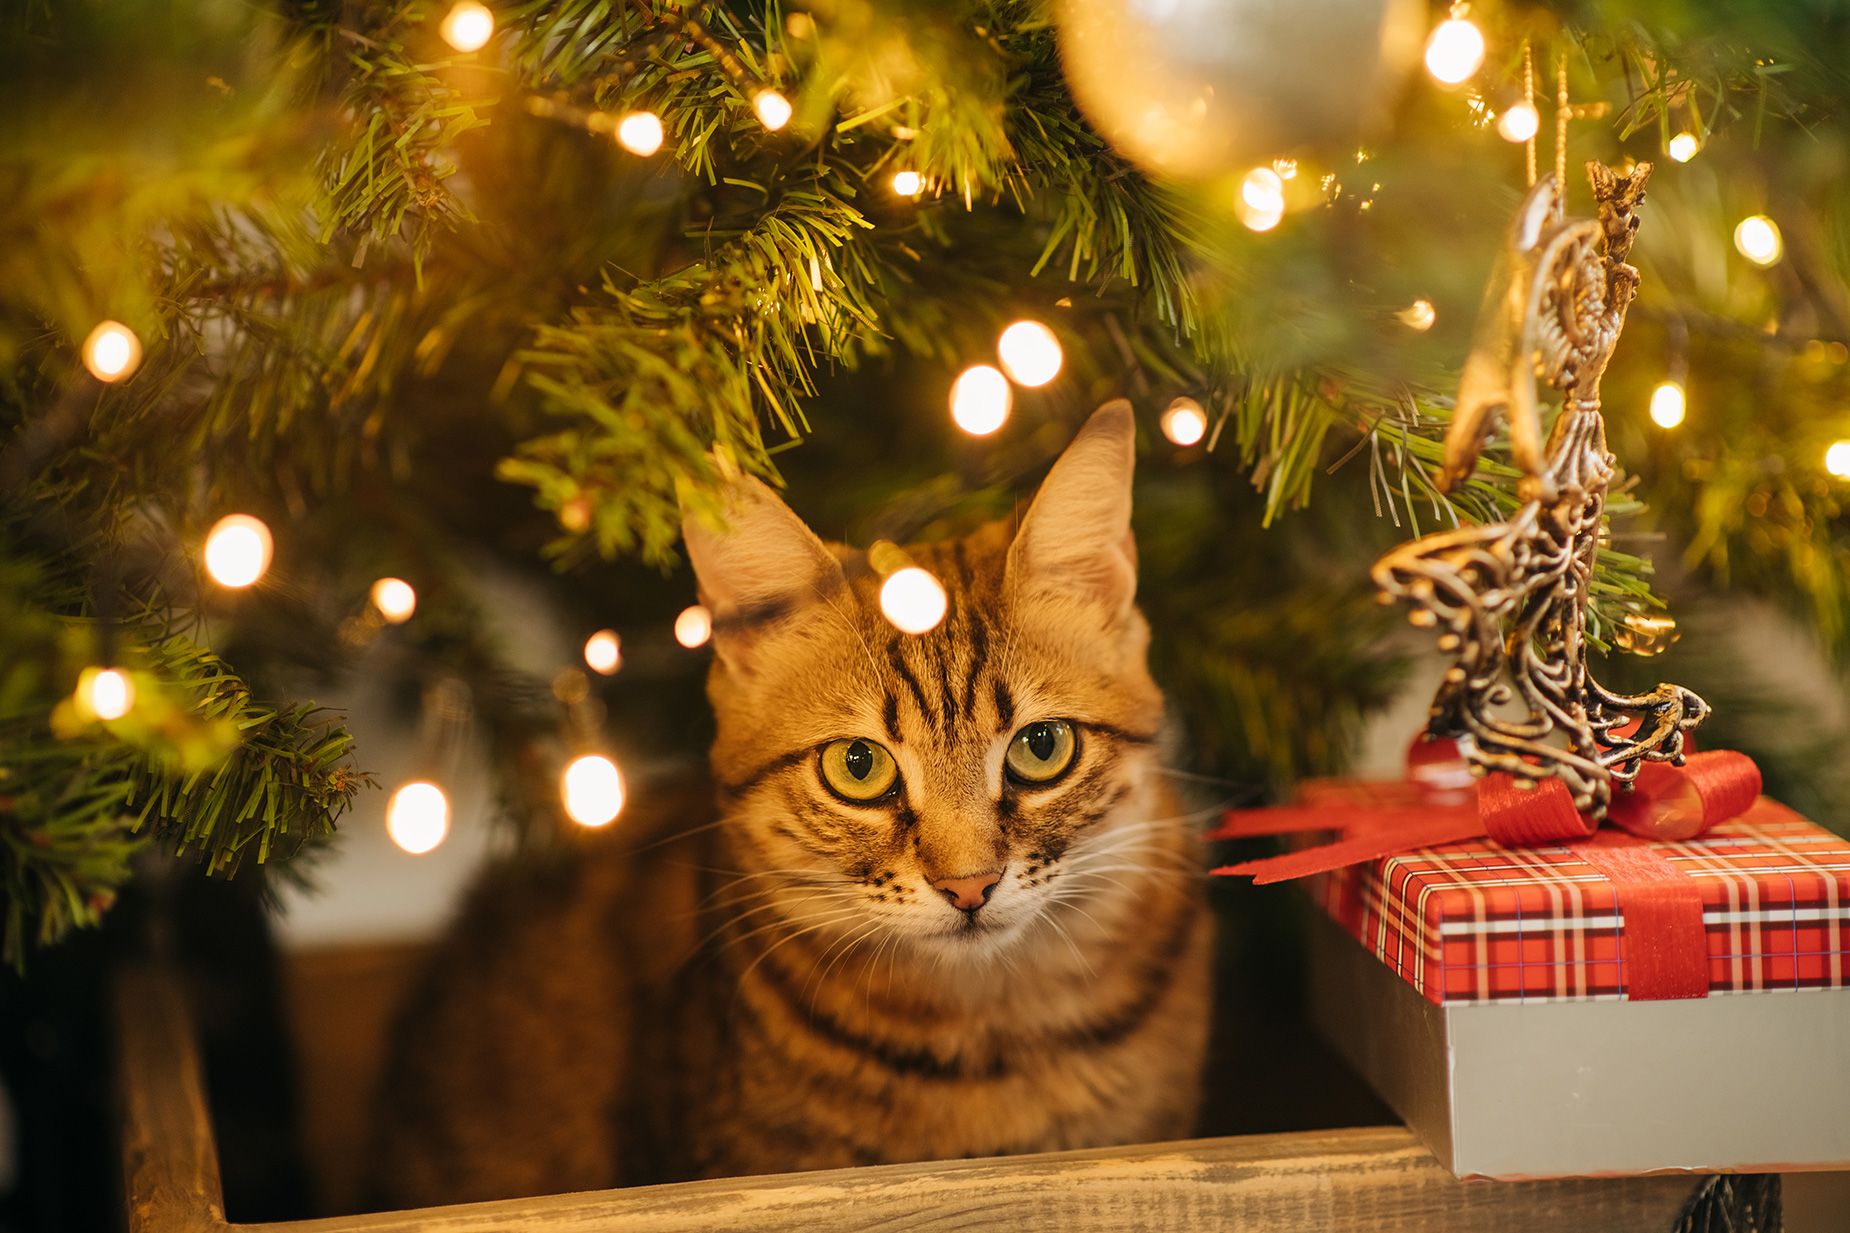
<point>948,906</point>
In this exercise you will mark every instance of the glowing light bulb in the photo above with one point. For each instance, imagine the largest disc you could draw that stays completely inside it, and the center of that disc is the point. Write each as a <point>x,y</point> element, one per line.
<point>907,183</point>
<point>238,550</point>
<point>593,790</point>
<point>1287,168</point>
<point>913,600</point>
<point>106,693</point>
<point>1261,203</point>
<point>1418,315</point>
<point>468,25</point>
<point>1030,353</point>
<point>1519,123</point>
<point>418,816</point>
<point>773,109</point>
<point>604,654</point>
<point>1837,459</point>
<point>980,400</point>
<point>693,627</point>
<point>1455,51</point>
<point>1185,423</point>
<point>1757,238</point>
<point>1684,146</point>
<point>111,352</point>
<point>640,132</point>
<point>395,599</point>
<point>1668,404</point>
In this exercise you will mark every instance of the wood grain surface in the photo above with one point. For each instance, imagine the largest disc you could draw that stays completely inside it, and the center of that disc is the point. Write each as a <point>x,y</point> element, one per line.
<point>1373,1179</point>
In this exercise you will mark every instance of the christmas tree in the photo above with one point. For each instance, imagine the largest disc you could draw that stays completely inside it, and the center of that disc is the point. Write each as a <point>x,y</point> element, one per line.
<point>313,312</point>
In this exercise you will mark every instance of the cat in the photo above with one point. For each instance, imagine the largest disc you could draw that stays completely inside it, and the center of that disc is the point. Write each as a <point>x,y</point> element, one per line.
<point>947,905</point>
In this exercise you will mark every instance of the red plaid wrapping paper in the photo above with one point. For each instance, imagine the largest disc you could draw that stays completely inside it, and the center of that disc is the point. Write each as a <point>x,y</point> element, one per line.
<point>1475,922</point>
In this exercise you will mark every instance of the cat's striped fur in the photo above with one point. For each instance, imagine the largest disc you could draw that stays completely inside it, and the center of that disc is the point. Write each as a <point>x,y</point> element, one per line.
<point>786,989</point>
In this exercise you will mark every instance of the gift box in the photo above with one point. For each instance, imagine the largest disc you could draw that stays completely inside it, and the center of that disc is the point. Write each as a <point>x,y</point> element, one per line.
<point>1554,1010</point>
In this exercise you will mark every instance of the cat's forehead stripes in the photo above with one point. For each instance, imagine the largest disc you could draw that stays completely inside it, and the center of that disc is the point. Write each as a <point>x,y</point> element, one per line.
<point>942,673</point>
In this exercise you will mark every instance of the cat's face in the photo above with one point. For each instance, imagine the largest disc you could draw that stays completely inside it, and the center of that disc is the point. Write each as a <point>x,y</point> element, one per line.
<point>946,790</point>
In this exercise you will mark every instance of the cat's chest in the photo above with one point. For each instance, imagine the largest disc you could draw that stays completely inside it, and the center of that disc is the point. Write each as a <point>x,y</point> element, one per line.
<point>815,1074</point>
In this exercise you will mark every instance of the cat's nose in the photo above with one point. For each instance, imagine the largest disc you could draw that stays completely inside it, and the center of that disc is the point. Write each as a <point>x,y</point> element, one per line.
<point>968,893</point>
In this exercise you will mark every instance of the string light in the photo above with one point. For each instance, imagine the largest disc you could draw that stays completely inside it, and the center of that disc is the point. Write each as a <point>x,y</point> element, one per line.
<point>774,110</point>
<point>1684,146</point>
<point>1185,423</point>
<point>1418,315</point>
<point>604,654</point>
<point>640,132</point>
<point>1030,353</point>
<point>1287,168</point>
<point>1757,237</point>
<point>111,351</point>
<point>593,790</point>
<point>907,183</point>
<point>693,627</point>
<point>395,599</point>
<point>1837,459</point>
<point>1261,203</point>
<point>106,693</point>
<point>1668,404</point>
<point>418,816</point>
<point>1520,123</point>
<point>980,400</point>
<point>468,25</point>
<point>913,600</point>
<point>1455,51</point>
<point>238,550</point>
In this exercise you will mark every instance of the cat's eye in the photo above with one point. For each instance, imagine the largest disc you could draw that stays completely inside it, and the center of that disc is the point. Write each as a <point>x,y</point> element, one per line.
<point>1041,752</point>
<point>858,770</point>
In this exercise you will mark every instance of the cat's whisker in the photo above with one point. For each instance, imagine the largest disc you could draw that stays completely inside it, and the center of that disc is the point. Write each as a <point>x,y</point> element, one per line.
<point>835,917</point>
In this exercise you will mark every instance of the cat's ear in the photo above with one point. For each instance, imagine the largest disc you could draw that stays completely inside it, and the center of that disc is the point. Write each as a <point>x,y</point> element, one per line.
<point>760,565</point>
<point>1076,539</point>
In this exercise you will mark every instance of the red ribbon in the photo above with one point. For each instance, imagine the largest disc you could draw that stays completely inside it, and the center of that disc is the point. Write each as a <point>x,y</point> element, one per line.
<point>1666,949</point>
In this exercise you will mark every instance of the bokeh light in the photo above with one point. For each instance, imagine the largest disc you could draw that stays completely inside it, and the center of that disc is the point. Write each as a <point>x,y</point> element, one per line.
<point>111,352</point>
<point>980,400</point>
<point>1455,51</point>
<point>106,693</point>
<point>603,652</point>
<point>468,25</point>
<point>693,627</point>
<point>640,132</point>
<point>593,790</point>
<point>1757,238</point>
<point>1668,404</point>
<point>238,550</point>
<point>1261,203</point>
<point>418,816</point>
<point>1030,352</point>
<point>1519,123</point>
<point>1185,423</point>
<point>774,110</point>
<point>913,600</point>
<point>395,599</point>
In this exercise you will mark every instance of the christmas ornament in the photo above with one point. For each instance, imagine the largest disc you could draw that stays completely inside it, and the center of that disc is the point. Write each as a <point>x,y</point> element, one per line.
<point>1193,88</point>
<point>1510,598</point>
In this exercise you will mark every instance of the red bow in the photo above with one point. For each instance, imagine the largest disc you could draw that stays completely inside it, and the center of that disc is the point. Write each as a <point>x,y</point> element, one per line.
<point>1434,805</point>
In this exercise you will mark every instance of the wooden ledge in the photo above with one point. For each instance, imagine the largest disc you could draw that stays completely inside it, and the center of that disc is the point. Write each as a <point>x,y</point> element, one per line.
<point>1365,1180</point>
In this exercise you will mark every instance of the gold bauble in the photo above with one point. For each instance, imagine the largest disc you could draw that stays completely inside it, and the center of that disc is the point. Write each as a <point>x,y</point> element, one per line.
<point>1197,88</point>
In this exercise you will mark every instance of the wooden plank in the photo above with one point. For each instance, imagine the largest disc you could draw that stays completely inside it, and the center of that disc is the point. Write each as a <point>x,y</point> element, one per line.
<point>1346,1181</point>
<point>169,1158</point>
<point>1375,1180</point>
